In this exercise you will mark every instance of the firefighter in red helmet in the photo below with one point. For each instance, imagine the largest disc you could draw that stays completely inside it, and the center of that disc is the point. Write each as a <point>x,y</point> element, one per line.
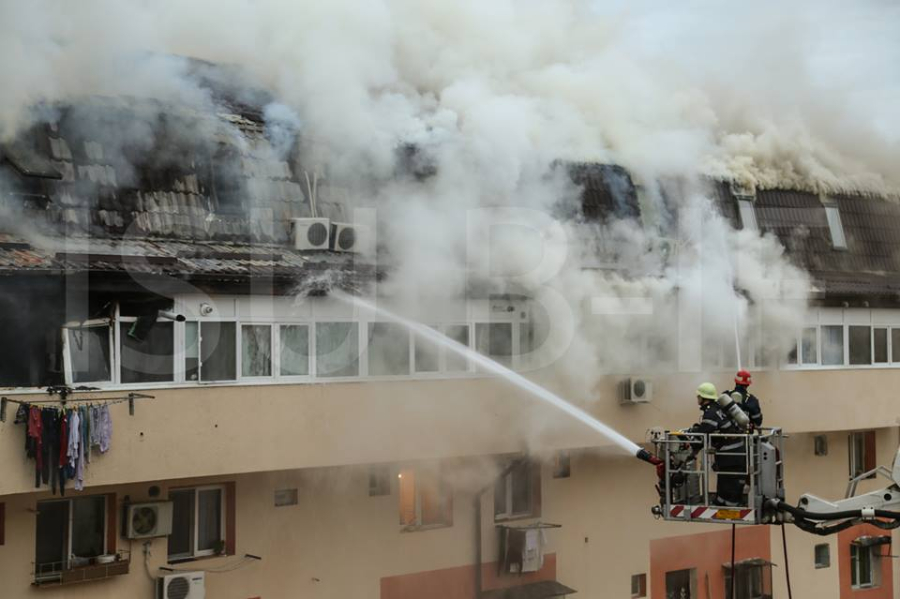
<point>746,400</point>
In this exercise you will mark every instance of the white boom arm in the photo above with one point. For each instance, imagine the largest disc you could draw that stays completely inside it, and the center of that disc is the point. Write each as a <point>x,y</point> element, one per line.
<point>887,498</point>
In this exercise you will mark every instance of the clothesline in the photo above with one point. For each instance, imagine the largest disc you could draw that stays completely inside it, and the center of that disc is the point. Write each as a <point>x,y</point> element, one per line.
<point>63,401</point>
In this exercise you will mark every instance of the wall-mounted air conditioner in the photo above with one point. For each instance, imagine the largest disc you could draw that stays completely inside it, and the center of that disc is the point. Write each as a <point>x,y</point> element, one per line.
<point>635,390</point>
<point>311,233</point>
<point>184,585</point>
<point>349,237</point>
<point>146,520</point>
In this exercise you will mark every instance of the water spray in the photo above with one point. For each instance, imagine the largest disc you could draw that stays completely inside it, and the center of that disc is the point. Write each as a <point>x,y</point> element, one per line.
<point>490,365</point>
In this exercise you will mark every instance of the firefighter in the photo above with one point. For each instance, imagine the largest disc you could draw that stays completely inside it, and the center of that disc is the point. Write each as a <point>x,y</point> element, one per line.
<point>730,488</point>
<point>748,402</point>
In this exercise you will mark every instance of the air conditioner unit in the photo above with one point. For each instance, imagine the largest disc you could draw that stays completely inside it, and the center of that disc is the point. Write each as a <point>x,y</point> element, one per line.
<point>146,520</point>
<point>184,585</point>
<point>311,233</point>
<point>348,237</point>
<point>635,390</point>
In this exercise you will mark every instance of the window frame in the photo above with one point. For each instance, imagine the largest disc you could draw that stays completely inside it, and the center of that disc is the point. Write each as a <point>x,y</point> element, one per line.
<point>272,352</point>
<point>534,493</point>
<point>874,559</point>
<point>66,565</point>
<point>91,323</point>
<point>223,524</point>
<point>821,564</point>
<point>446,497</point>
<point>865,454</point>
<point>176,363</point>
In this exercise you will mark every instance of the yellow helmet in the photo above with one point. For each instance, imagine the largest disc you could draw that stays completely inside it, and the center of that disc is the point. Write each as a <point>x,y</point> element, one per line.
<point>707,391</point>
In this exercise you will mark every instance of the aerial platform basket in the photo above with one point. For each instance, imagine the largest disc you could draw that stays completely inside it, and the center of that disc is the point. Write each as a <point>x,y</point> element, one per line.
<point>687,485</point>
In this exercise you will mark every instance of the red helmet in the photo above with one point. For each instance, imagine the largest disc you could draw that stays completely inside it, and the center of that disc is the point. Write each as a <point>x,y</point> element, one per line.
<point>742,378</point>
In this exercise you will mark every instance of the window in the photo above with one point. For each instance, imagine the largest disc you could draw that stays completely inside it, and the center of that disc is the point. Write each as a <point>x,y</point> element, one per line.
<point>862,453</point>
<point>879,345</point>
<point>379,481</point>
<point>147,353</point>
<point>286,497</point>
<point>823,556</point>
<point>682,584</point>
<point>638,585</point>
<point>562,467</point>
<point>752,581</point>
<point>517,492</point>
<point>294,350</point>
<point>256,350</point>
<point>337,349</point>
<point>198,522</point>
<point>860,341</point>
<point>87,352</point>
<point>494,339</point>
<point>809,346</point>
<point>833,345</point>
<point>748,215</point>
<point>835,227</point>
<point>388,349</point>
<point>820,443</point>
<point>895,345</point>
<point>427,355</point>
<point>460,334</point>
<point>210,352</point>
<point>69,533</point>
<point>425,499</point>
<point>865,565</point>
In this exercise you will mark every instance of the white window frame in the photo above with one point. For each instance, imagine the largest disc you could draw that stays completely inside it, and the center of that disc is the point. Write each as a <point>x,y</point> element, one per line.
<point>874,563</point>
<point>310,349</point>
<point>835,226</point>
<point>237,358</point>
<point>196,508</point>
<point>240,350</point>
<point>411,356</point>
<point>113,345</point>
<point>66,563</point>
<point>175,353</point>
<point>508,513</point>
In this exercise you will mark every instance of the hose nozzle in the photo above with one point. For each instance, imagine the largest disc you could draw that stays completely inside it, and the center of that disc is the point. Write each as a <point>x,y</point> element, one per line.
<point>648,457</point>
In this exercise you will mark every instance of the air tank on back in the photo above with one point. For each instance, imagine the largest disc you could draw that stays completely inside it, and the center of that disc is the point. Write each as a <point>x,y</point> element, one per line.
<point>729,405</point>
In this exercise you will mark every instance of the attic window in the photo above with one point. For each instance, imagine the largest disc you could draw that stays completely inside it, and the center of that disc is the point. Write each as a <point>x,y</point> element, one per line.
<point>838,241</point>
<point>748,214</point>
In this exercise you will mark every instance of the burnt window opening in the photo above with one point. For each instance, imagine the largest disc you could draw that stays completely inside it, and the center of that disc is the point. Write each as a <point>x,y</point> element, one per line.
<point>30,343</point>
<point>607,192</point>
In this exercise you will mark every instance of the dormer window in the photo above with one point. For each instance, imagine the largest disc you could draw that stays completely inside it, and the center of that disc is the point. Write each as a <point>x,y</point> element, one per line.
<point>748,214</point>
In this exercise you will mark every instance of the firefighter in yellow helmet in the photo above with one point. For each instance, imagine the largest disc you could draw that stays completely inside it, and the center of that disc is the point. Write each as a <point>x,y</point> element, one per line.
<point>730,488</point>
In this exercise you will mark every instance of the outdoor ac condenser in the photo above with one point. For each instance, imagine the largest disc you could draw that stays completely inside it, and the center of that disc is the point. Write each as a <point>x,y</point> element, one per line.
<point>635,390</point>
<point>311,233</point>
<point>184,585</point>
<point>348,237</point>
<point>147,520</point>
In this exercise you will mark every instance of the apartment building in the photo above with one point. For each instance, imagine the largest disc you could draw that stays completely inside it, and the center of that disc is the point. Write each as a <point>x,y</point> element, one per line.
<point>269,440</point>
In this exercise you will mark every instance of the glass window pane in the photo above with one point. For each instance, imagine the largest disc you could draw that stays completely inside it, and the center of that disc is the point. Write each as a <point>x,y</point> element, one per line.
<point>88,523</point>
<point>494,339</point>
<point>500,496</point>
<point>256,350</point>
<point>880,346</point>
<point>792,355</point>
<point>191,350</point>
<point>835,227</point>
<point>895,345</point>
<point>854,565</point>
<point>337,349</point>
<point>460,334</point>
<point>181,541</point>
<point>209,519</point>
<point>427,355</point>
<point>388,349</point>
<point>748,215</point>
<point>810,345</point>
<point>218,352</point>
<point>294,350</point>
<point>89,352</point>
<point>150,358</point>
<point>860,345</point>
<point>52,529</point>
<point>833,345</point>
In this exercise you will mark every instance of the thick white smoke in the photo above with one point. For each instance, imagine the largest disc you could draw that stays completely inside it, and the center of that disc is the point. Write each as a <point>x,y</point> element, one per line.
<point>800,95</point>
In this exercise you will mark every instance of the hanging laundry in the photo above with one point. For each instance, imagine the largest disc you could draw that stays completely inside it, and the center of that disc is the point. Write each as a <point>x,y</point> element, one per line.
<point>105,428</point>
